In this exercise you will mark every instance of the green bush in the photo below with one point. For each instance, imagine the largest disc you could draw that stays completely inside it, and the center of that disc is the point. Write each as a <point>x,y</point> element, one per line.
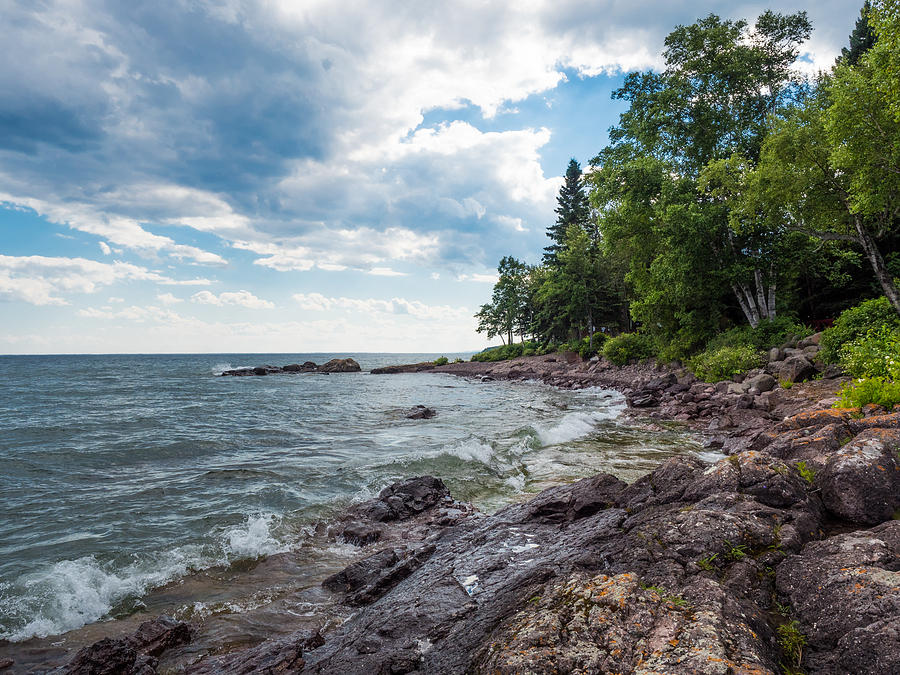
<point>855,323</point>
<point>769,333</point>
<point>628,346</point>
<point>877,390</point>
<point>875,355</point>
<point>722,363</point>
<point>443,361</point>
<point>503,353</point>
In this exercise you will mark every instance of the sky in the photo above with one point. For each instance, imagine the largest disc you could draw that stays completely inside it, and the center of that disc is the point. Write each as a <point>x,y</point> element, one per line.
<point>301,176</point>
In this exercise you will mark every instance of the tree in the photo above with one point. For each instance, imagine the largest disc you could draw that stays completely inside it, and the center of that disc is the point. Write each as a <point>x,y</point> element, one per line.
<point>831,167</point>
<point>572,209</point>
<point>508,312</point>
<point>722,81</point>
<point>861,39</point>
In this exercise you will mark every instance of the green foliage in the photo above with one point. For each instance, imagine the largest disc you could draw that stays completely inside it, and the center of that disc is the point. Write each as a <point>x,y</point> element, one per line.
<point>572,209</point>
<point>627,347</point>
<point>855,323</point>
<point>706,563</point>
<point>736,551</point>
<point>878,390</point>
<point>442,361</point>
<point>875,355</point>
<point>806,473</point>
<point>862,39</point>
<point>769,333</point>
<point>792,642</point>
<point>503,353</point>
<point>786,384</point>
<point>721,364</point>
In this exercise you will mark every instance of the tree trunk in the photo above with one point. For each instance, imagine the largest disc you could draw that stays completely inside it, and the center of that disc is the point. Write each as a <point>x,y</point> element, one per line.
<point>748,308</point>
<point>877,262</point>
<point>772,284</point>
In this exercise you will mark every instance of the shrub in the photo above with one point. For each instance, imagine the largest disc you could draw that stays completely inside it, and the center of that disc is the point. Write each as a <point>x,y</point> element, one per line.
<point>855,323</point>
<point>627,346</point>
<point>877,390</point>
<point>442,361</point>
<point>503,353</point>
<point>769,333</point>
<point>875,355</point>
<point>721,364</point>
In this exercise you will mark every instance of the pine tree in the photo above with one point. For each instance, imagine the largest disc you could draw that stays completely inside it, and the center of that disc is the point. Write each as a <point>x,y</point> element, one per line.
<point>572,209</point>
<point>861,39</point>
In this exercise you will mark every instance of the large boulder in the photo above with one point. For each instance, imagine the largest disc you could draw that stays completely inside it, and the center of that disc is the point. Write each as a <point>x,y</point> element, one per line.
<point>861,480</point>
<point>277,655</point>
<point>796,369</point>
<point>339,366</point>
<point>843,592</point>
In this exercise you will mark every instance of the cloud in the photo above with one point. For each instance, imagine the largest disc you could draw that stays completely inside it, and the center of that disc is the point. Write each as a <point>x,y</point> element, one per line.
<point>168,299</point>
<point>104,247</point>
<point>239,298</point>
<point>489,278</point>
<point>38,280</point>
<point>316,302</point>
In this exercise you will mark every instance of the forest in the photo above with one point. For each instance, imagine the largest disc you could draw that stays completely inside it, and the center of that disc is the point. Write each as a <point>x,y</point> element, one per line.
<point>738,204</point>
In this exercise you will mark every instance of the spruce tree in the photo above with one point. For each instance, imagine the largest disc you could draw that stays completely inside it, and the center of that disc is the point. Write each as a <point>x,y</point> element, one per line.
<point>862,38</point>
<point>572,209</point>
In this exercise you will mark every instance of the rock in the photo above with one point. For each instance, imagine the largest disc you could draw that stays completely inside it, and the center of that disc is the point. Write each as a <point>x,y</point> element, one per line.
<point>280,655</point>
<point>133,655</point>
<point>6,663</point>
<point>861,480</point>
<point>762,383</point>
<point>578,500</point>
<point>796,369</point>
<point>843,592</point>
<point>306,367</point>
<point>641,399</point>
<point>776,354</point>
<point>110,657</point>
<point>811,352</point>
<point>738,388</point>
<point>420,412</point>
<point>403,500</point>
<point>339,366</point>
<point>368,579</point>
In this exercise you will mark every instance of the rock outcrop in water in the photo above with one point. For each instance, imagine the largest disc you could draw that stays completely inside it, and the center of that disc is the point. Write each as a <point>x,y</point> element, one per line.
<point>333,366</point>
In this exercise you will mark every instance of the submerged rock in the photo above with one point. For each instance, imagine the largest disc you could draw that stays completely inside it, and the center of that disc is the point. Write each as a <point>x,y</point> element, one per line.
<point>421,412</point>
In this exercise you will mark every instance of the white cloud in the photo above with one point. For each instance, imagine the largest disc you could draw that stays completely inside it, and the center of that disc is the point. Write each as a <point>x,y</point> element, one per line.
<point>386,272</point>
<point>239,298</point>
<point>168,299</point>
<point>38,280</point>
<point>316,302</point>
<point>490,278</point>
<point>105,248</point>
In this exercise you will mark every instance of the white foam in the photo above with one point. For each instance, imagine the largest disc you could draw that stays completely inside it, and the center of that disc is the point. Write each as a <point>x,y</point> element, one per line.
<point>710,456</point>
<point>472,450</point>
<point>571,427</point>
<point>253,538</point>
<point>73,593</point>
<point>220,368</point>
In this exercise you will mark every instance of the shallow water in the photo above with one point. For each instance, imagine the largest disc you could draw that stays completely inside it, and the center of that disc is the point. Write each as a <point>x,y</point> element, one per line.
<point>125,474</point>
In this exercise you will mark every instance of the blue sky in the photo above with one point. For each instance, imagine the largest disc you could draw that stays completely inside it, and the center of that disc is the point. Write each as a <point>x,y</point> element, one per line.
<point>240,175</point>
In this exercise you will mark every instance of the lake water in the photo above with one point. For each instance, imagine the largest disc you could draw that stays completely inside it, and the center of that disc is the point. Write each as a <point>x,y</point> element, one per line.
<point>122,474</point>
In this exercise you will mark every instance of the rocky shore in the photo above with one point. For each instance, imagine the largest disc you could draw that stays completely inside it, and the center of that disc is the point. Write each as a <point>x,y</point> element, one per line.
<point>782,557</point>
<point>333,366</point>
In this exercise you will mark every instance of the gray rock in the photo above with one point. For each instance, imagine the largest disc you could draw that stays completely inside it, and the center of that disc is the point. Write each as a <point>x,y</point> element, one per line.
<point>776,354</point>
<point>861,480</point>
<point>796,369</point>
<point>339,366</point>
<point>762,383</point>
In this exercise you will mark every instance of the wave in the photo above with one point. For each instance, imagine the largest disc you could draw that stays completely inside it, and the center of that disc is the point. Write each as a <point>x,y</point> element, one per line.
<point>73,593</point>
<point>571,427</point>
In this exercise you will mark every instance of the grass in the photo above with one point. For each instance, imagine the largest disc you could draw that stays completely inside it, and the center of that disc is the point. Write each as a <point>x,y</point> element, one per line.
<point>736,551</point>
<point>792,641</point>
<point>786,384</point>
<point>806,473</point>
<point>706,563</point>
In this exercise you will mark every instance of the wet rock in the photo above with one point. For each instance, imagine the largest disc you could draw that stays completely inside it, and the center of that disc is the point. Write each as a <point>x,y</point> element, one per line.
<point>578,500</point>
<point>642,399</point>
<point>403,500</point>
<point>861,480</point>
<point>368,579</point>
<point>421,412</point>
<point>281,655</point>
<point>360,534</point>
<point>339,366</point>
<point>110,657</point>
<point>843,591</point>
<point>133,655</point>
<point>306,367</point>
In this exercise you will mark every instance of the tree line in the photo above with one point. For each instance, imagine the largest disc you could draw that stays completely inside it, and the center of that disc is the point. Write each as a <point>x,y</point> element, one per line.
<point>733,191</point>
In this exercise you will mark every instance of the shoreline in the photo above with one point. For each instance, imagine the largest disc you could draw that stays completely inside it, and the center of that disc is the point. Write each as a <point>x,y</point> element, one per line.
<point>417,530</point>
